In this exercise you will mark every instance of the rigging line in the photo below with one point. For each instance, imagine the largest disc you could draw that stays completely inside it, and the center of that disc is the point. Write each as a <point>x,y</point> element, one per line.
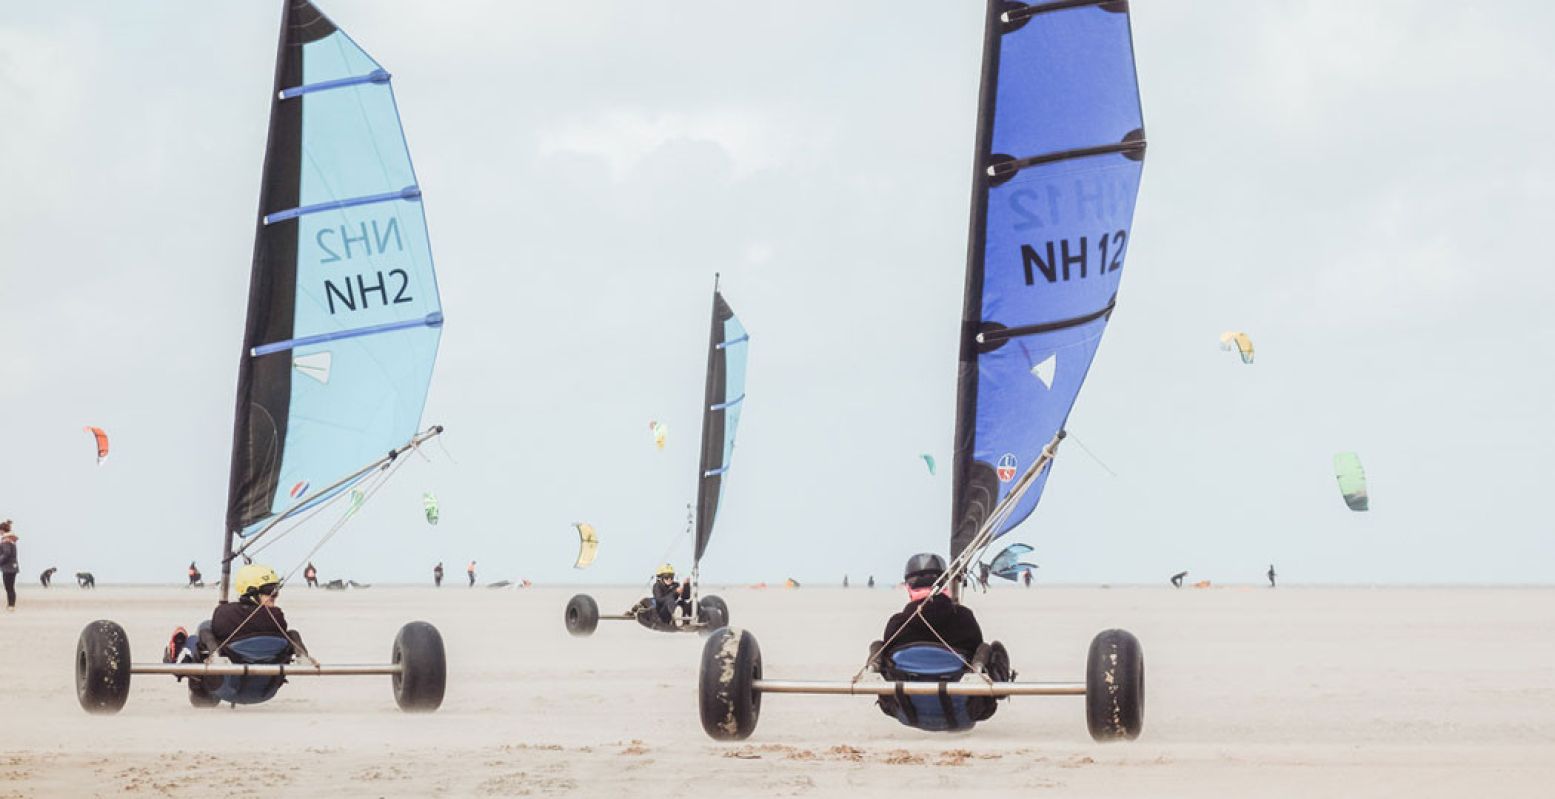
<point>341,523</point>
<point>444,448</point>
<point>1093,455</point>
<point>675,540</point>
<point>298,522</point>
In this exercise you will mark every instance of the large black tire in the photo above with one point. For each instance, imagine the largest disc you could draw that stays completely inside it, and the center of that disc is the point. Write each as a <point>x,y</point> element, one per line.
<point>1115,686</point>
<point>726,695</point>
<point>713,612</point>
<point>423,674</point>
<point>102,667</point>
<point>582,615</point>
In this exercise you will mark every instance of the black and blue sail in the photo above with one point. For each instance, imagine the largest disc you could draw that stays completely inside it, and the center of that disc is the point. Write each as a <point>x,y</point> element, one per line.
<point>1060,148</point>
<point>728,347</point>
<point>343,310</point>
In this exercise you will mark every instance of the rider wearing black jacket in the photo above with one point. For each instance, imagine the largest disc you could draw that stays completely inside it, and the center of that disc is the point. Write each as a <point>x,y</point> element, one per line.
<point>942,618</point>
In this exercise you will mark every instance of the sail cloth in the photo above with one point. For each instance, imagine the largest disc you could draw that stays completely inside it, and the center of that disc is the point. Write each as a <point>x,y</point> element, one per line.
<point>1060,149</point>
<point>588,545</point>
<point>1008,565</point>
<point>725,397</point>
<point>343,310</point>
<point>1352,481</point>
<point>101,438</point>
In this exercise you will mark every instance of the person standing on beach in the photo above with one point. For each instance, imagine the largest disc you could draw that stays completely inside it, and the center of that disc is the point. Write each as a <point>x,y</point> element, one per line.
<point>195,578</point>
<point>1177,579</point>
<point>1027,577</point>
<point>8,565</point>
<point>1271,575</point>
<point>471,571</point>
<point>437,575</point>
<point>311,575</point>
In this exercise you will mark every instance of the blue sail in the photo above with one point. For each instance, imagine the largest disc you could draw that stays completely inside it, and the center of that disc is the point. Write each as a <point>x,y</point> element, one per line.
<point>1059,155</point>
<point>344,316</point>
<point>723,400</point>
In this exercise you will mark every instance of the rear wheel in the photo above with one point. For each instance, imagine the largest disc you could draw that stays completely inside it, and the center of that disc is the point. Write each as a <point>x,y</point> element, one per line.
<point>1115,686</point>
<point>713,612</point>
<point>419,684</point>
<point>727,698</point>
<point>582,615</point>
<point>102,667</point>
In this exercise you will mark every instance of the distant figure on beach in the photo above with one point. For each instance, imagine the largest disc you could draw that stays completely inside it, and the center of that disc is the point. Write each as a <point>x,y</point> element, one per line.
<point>1177,579</point>
<point>311,575</point>
<point>1026,576</point>
<point>500,584</point>
<point>355,584</point>
<point>195,578</point>
<point>982,575</point>
<point>471,571</point>
<point>8,563</point>
<point>844,581</point>
<point>86,580</point>
<point>437,575</point>
<point>1271,575</point>
<point>871,581</point>
<point>47,576</point>
<point>335,585</point>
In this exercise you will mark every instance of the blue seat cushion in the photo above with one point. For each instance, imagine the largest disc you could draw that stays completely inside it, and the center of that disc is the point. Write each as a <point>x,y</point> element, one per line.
<point>929,663</point>
<point>265,649</point>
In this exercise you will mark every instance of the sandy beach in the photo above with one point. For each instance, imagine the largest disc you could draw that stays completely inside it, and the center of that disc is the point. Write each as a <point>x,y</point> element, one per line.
<point>1290,692</point>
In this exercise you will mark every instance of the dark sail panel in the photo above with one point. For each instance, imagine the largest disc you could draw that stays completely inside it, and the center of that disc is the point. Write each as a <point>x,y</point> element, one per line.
<point>726,354</point>
<point>343,312</point>
<point>1059,154</point>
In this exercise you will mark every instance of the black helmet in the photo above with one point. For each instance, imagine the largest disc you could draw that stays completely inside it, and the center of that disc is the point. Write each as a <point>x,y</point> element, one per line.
<point>923,569</point>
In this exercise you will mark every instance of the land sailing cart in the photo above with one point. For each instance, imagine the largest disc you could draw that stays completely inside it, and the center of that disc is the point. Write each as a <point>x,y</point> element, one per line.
<point>1060,147</point>
<point>727,350</point>
<point>342,333</point>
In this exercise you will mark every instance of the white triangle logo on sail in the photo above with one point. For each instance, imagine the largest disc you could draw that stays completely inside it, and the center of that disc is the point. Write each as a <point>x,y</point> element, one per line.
<point>315,365</point>
<point>1044,371</point>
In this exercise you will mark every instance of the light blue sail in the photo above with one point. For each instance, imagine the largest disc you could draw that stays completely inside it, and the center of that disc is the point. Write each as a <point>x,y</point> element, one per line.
<point>367,317</point>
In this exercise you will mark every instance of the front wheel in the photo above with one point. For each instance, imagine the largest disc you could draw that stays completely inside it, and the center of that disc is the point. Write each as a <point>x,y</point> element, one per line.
<point>102,667</point>
<point>582,615</point>
<point>423,674</point>
<point>1115,686</point>
<point>727,697</point>
<point>713,612</point>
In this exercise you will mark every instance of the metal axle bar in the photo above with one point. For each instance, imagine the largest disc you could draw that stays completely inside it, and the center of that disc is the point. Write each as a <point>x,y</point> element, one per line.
<point>263,669</point>
<point>921,688</point>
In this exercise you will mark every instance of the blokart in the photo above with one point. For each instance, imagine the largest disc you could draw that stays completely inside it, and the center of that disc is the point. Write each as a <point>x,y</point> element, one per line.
<point>583,616</point>
<point>725,392</point>
<point>1058,158</point>
<point>931,686</point>
<point>329,379</point>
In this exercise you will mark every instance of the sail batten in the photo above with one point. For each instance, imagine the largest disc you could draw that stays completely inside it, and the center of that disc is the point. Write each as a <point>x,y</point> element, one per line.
<point>1060,146</point>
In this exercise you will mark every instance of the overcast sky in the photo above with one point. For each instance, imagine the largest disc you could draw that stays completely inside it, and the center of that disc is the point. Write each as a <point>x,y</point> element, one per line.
<point>1364,188</point>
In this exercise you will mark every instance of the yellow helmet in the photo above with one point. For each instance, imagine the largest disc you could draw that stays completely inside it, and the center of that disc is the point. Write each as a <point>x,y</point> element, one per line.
<point>254,577</point>
<point>664,568</point>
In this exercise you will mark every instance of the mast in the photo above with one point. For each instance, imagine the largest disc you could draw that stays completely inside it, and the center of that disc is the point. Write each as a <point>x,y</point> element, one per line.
<point>257,441</point>
<point>968,498</point>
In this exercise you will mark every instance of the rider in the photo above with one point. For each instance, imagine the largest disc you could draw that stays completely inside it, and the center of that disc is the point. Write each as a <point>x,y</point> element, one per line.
<point>942,619</point>
<point>254,614</point>
<point>668,595</point>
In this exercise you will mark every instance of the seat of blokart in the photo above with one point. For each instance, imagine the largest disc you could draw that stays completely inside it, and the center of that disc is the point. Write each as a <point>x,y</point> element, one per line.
<point>256,650</point>
<point>919,662</point>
